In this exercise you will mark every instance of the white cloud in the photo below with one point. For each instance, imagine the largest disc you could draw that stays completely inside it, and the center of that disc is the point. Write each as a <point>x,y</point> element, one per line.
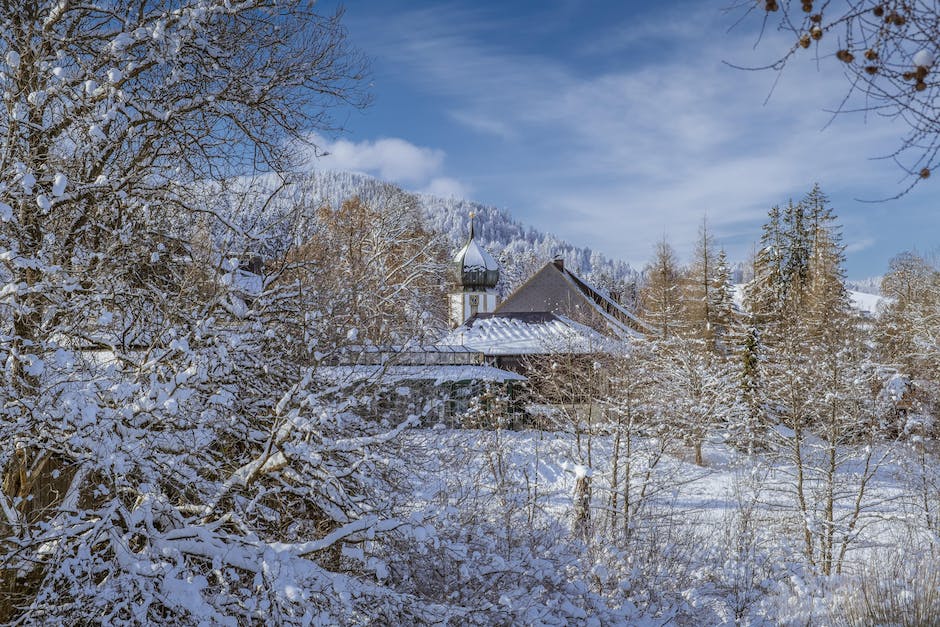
<point>446,187</point>
<point>392,159</point>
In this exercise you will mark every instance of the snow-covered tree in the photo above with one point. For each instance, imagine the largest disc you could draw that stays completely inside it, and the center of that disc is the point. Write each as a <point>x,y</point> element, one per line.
<point>661,295</point>
<point>906,330</point>
<point>696,391</point>
<point>699,293</point>
<point>165,458</point>
<point>764,294</point>
<point>827,300</point>
<point>634,459</point>
<point>725,322</point>
<point>371,261</point>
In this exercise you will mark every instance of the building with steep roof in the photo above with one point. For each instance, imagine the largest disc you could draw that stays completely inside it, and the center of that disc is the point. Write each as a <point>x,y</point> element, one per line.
<point>554,312</point>
<point>555,325</point>
<point>555,289</point>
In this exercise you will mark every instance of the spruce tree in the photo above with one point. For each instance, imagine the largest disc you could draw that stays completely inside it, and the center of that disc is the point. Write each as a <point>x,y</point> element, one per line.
<point>764,294</point>
<point>796,258</point>
<point>908,331</point>
<point>722,308</point>
<point>746,434</point>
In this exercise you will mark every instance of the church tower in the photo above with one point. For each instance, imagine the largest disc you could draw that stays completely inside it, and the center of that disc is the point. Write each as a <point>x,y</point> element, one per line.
<point>477,274</point>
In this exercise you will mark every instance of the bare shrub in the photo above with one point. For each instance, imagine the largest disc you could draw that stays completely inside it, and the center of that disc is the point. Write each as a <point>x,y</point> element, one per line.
<point>899,587</point>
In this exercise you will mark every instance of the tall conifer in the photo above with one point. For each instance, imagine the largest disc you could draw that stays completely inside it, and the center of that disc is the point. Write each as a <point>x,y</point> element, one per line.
<point>661,294</point>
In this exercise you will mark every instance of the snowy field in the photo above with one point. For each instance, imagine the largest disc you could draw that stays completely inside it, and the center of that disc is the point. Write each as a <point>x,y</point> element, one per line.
<point>715,544</point>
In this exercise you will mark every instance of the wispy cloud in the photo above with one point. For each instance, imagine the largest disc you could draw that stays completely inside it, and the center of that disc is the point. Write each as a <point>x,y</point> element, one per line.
<point>859,245</point>
<point>616,154</point>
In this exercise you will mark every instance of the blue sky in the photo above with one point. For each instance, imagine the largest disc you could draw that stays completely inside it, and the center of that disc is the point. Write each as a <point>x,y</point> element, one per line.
<point>613,123</point>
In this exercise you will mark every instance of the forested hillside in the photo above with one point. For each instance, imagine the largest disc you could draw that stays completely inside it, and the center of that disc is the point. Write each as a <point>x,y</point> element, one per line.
<point>521,250</point>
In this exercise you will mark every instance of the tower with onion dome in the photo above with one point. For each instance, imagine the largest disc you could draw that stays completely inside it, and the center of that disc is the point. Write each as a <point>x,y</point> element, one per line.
<point>477,274</point>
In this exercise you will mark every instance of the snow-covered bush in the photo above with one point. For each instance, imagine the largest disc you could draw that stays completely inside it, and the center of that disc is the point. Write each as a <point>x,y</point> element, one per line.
<point>485,537</point>
<point>896,588</point>
<point>164,458</point>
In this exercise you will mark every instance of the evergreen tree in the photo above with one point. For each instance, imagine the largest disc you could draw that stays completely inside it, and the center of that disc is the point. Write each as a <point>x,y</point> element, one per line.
<point>746,433</point>
<point>764,294</point>
<point>799,277</point>
<point>764,298</point>
<point>722,308</point>
<point>796,258</point>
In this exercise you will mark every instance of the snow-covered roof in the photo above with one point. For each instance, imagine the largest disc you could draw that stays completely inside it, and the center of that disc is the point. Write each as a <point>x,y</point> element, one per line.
<point>398,374</point>
<point>612,311</point>
<point>558,290</point>
<point>405,348</point>
<point>538,333</point>
<point>406,355</point>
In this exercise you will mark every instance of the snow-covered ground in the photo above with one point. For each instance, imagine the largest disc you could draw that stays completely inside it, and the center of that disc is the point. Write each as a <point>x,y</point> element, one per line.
<point>721,543</point>
<point>550,460</point>
<point>867,303</point>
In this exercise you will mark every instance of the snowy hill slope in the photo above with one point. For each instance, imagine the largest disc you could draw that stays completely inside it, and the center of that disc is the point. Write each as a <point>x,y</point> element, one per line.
<point>521,249</point>
<point>507,238</point>
<point>863,302</point>
<point>869,285</point>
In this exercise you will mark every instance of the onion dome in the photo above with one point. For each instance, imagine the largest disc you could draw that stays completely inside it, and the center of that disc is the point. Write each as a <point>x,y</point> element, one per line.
<point>475,268</point>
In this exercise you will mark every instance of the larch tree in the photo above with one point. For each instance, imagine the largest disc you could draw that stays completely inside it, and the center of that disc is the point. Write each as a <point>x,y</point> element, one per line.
<point>699,293</point>
<point>697,391</point>
<point>661,294</point>
<point>827,303</point>
<point>698,371</point>
<point>906,330</point>
<point>371,260</point>
<point>632,463</point>
<point>639,412</point>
